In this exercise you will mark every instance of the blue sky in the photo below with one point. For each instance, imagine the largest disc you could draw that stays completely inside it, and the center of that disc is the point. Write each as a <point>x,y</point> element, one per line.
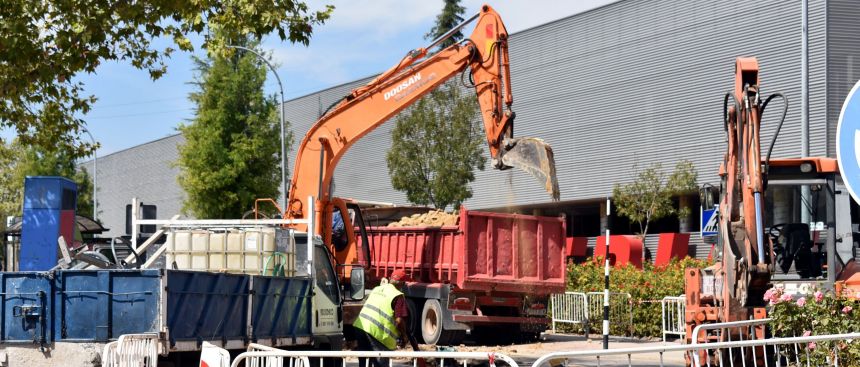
<point>362,38</point>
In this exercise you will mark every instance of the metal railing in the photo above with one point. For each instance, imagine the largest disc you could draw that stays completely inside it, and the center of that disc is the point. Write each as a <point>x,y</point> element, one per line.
<point>267,357</point>
<point>776,352</point>
<point>620,309</point>
<point>672,309</point>
<point>730,332</point>
<point>569,308</point>
<point>273,360</point>
<point>131,350</point>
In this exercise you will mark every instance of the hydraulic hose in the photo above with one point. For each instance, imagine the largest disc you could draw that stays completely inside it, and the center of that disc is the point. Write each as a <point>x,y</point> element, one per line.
<point>778,127</point>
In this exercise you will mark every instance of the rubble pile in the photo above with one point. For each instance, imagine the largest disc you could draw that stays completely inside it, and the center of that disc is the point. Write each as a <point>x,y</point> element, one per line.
<point>435,218</point>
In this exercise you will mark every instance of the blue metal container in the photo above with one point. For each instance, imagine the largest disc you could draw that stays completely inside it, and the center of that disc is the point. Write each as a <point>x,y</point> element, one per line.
<point>99,305</point>
<point>281,308</point>
<point>207,306</point>
<point>49,211</point>
<point>26,307</point>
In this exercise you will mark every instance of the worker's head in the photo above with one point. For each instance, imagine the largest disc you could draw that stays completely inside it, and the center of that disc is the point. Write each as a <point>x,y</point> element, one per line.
<point>398,278</point>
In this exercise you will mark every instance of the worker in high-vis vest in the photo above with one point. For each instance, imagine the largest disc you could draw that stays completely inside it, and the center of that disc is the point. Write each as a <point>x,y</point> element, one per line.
<point>381,324</point>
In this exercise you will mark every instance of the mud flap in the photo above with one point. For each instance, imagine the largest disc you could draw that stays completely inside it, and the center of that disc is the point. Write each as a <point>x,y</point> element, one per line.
<point>534,156</point>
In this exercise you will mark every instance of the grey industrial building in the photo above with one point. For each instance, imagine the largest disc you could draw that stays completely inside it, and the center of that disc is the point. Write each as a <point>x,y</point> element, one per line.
<point>623,85</point>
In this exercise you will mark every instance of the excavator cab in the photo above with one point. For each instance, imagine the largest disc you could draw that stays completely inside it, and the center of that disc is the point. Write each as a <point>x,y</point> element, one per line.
<point>809,221</point>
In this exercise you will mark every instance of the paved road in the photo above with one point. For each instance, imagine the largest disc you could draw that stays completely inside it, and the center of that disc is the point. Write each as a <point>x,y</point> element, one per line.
<point>526,354</point>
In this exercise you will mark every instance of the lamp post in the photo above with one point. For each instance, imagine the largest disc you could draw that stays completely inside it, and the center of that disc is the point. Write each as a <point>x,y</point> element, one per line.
<point>283,143</point>
<point>95,177</point>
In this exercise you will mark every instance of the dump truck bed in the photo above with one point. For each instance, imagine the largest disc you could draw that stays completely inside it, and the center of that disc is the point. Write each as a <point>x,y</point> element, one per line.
<point>484,252</point>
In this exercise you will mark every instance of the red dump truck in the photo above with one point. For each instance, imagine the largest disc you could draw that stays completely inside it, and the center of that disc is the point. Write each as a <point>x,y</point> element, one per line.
<point>491,274</point>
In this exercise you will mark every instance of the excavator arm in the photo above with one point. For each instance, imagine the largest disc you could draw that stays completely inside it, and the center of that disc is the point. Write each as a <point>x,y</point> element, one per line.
<point>484,54</point>
<point>746,252</point>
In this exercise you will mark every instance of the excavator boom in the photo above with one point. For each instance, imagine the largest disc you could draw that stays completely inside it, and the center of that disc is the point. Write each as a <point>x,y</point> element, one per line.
<point>484,54</point>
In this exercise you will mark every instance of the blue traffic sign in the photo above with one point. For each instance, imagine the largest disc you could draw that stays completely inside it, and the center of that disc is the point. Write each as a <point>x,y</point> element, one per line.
<point>848,142</point>
<point>709,222</point>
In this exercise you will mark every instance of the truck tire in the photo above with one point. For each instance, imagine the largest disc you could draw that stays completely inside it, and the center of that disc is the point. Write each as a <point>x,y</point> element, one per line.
<point>432,329</point>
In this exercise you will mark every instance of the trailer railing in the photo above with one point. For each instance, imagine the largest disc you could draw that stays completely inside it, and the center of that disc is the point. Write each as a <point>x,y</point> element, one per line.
<point>672,309</point>
<point>282,358</point>
<point>776,352</point>
<point>569,308</point>
<point>138,350</point>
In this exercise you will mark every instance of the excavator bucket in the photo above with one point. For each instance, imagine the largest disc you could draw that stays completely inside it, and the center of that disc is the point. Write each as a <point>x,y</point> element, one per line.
<point>534,156</point>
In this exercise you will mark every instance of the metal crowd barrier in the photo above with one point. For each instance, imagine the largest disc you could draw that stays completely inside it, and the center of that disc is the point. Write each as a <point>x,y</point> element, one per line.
<point>776,352</point>
<point>620,309</point>
<point>131,350</point>
<point>569,308</point>
<point>673,309</point>
<point>282,358</point>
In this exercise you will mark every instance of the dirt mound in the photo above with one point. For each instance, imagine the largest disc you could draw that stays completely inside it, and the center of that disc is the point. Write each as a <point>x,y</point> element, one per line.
<point>435,218</point>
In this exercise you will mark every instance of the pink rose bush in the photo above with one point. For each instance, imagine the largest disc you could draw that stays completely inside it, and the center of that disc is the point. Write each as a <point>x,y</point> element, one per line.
<point>819,313</point>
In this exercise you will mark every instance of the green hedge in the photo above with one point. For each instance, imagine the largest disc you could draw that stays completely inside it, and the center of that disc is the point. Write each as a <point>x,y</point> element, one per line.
<point>646,287</point>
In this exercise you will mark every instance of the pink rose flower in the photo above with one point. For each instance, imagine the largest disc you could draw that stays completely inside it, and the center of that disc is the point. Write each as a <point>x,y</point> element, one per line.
<point>785,298</point>
<point>807,333</point>
<point>819,296</point>
<point>847,309</point>
<point>812,345</point>
<point>769,295</point>
<point>801,301</point>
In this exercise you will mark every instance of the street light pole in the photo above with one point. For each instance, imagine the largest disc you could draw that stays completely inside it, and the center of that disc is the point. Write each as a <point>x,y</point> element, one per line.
<point>95,178</point>
<point>283,132</point>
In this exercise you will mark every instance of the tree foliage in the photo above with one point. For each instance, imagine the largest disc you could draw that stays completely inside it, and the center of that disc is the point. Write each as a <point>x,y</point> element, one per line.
<point>435,149</point>
<point>47,43</point>
<point>451,16</point>
<point>436,144</point>
<point>231,155</point>
<point>649,196</point>
<point>18,161</point>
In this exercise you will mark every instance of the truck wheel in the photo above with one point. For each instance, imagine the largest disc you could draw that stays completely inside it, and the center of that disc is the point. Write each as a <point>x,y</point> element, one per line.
<point>432,329</point>
<point>431,322</point>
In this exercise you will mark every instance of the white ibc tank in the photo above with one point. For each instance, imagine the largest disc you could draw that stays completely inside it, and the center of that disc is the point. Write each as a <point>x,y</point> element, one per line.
<point>243,251</point>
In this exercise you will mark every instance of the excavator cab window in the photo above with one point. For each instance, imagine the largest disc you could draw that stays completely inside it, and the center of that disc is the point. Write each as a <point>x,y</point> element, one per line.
<point>339,236</point>
<point>359,223</point>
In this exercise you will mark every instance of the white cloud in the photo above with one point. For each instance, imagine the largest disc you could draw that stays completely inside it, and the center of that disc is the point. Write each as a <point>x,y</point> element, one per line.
<point>378,18</point>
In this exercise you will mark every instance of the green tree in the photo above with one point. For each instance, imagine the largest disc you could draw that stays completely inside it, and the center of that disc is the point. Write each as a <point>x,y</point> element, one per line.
<point>231,154</point>
<point>19,161</point>
<point>649,196</point>
<point>435,148</point>
<point>451,16</point>
<point>436,144</point>
<point>47,43</point>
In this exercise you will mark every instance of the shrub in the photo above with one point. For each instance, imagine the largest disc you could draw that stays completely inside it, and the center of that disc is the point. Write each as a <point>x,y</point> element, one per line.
<point>818,313</point>
<point>646,288</point>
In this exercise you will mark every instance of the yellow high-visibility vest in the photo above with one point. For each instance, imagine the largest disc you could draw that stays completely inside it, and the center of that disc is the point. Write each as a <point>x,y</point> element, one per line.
<point>377,317</point>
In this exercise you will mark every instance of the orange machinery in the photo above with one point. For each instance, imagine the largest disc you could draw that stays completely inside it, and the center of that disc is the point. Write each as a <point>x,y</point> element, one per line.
<point>484,55</point>
<point>761,238</point>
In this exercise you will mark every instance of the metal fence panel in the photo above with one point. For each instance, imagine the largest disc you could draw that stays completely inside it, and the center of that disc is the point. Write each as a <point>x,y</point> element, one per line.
<point>673,309</point>
<point>810,351</point>
<point>570,308</point>
<point>269,357</point>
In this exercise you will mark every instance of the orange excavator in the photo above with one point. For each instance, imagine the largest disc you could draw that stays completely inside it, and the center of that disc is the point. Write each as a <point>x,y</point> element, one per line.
<point>762,236</point>
<point>481,58</point>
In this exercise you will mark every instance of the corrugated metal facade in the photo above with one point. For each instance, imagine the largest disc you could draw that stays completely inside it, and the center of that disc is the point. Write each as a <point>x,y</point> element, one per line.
<point>843,59</point>
<point>630,83</point>
<point>624,85</point>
